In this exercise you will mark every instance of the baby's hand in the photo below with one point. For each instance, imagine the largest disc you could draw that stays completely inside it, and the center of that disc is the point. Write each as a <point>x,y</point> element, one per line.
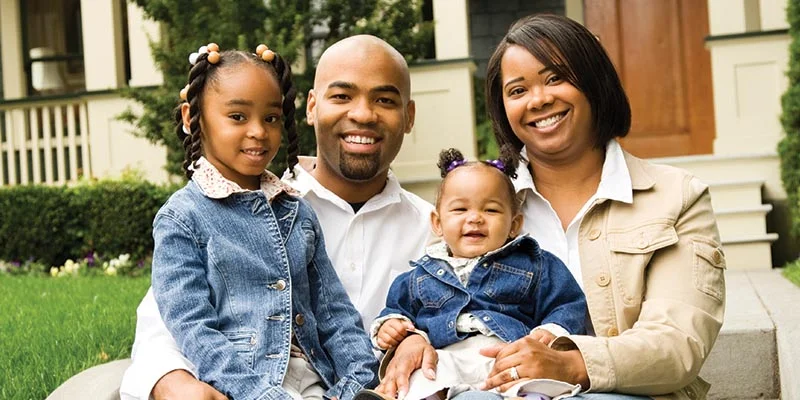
<point>542,336</point>
<point>392,332</point>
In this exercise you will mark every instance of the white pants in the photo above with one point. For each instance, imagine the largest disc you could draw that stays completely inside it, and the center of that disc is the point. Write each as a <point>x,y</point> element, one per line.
<point>301,381</point>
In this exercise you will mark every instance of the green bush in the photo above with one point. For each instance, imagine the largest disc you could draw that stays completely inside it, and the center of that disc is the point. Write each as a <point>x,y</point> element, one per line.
<point>789,147</point>
<point>53,224</point>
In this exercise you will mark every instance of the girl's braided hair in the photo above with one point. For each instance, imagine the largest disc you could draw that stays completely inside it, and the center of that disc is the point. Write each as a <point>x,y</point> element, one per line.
<point>205,71</point>
<point>506,163</point>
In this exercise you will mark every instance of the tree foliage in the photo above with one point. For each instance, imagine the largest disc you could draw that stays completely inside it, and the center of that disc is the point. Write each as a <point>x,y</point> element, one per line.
<point>789,146</point>
<point>298,30</point>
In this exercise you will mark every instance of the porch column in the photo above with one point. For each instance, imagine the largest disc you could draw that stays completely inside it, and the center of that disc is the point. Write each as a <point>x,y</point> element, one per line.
<point>726,17</point>
<point>11,42</point>
<point>102,44</point>
<point>451,29</point>
<point>140,32</point>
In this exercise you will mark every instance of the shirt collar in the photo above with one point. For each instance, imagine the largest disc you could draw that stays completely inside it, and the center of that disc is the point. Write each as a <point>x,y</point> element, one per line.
<point>214,185</point>
<point>615,180</point>
<point>304,182</point>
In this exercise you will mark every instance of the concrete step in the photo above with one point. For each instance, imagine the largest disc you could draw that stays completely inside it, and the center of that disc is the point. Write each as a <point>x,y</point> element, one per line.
<point>742,221</point>
<point>743,363</point>
<point>750,252</point>
<point>727,195</point>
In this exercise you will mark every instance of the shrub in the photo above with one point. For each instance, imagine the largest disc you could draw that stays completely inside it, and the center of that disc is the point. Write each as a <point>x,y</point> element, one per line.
<point>50,225</point>
<point>789,147</point>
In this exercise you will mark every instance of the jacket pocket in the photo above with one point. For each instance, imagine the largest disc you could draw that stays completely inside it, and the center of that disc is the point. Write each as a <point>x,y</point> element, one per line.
<point>508,285</point>
<point>632,250</point>
<point>708,269</point>
<point>244,342</point>
<point>432,292</point>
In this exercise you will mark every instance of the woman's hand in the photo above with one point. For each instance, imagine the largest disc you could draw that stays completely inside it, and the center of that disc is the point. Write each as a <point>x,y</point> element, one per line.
<point>533,359</point>
<point>413,353</point>
<point>179,384</point>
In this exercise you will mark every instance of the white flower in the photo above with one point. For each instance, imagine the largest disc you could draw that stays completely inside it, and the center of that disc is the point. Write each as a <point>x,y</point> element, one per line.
<point>53,271</point>
<point>111,271</point>
<point>124,258</point>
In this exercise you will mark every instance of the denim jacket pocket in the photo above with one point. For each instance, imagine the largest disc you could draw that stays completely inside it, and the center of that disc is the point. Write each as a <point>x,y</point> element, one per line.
<point>244,342</point>
<point>708,268</point>
<point>631,252</point>
<point>432,292</point>
<point>508,285</point>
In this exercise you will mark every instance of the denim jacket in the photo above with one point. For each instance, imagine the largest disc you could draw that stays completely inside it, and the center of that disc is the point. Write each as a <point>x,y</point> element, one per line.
<point>511,291</point>
<point>234,277</point>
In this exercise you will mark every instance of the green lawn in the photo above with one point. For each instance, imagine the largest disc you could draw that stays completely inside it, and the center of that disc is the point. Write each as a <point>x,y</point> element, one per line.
<point>792,272</point>
<point>52,328</point>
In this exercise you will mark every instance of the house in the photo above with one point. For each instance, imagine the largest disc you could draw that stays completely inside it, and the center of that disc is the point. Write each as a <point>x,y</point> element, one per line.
<point>704,78</point>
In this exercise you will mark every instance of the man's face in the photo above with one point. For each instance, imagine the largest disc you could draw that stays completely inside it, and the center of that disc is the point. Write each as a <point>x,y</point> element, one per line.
<point>360,108</point>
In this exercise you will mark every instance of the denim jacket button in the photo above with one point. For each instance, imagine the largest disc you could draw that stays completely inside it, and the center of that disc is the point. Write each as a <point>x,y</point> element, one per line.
<point>603,279</point>
<point>280,285</point>
<point>450,324</point>
<point>300,319</point>
<point>487,318</point>
<point>594,234</point>
<point>440,272</point>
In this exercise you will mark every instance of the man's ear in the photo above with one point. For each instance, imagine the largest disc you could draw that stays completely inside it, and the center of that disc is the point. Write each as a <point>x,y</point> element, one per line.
<point>436,224</point>
<point>185,114</point>
<point>311,102</point>
<point>516,225</point>
<point>411,113</point>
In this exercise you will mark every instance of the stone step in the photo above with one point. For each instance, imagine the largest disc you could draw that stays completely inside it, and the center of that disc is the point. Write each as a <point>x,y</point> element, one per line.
<point>743,221</point>
<point>743,363</point>
<point>752,252</point>
<point>726,195</point>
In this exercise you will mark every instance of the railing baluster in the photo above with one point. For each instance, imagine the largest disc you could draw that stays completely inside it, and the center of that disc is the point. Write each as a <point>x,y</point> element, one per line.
<point>11,141</point>
<point>4,146</point>
<point>72,142</point>
<point>23,149</point>
<point>84,121</point>
<point>61,166</point>
<point>33,115</point>
<point>47,135</point>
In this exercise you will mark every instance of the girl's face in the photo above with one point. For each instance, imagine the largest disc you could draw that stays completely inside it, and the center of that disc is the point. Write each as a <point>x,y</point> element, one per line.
<point>241,122</point>
<point>548,114</point>
<point>474,215</point>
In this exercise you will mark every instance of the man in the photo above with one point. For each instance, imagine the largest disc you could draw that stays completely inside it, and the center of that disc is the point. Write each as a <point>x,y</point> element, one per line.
<point>360,108</point>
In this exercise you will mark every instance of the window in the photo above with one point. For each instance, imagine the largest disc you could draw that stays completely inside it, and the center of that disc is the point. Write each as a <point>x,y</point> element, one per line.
<point>53,46</point>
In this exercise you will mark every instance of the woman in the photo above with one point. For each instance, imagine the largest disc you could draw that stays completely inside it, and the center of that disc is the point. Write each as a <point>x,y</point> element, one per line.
<point>641,239</point>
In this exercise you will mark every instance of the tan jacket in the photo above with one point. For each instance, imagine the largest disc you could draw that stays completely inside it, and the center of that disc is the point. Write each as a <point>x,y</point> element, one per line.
<point>653,276</point>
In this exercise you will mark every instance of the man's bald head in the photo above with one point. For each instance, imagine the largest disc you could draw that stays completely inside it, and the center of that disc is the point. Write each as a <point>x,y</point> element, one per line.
<point>358,49</point>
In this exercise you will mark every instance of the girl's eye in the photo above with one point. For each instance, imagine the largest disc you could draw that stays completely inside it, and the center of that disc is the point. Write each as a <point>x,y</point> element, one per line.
<point>236,117</point>
<point>272,119</point>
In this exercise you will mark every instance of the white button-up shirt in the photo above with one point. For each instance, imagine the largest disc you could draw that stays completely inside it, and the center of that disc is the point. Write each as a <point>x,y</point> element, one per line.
<point>542,222</point>
<point>368,248</point>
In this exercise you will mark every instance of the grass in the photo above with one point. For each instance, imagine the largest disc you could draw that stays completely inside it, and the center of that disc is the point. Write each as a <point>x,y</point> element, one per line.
<point>792,272</point>
<point>53,328</point>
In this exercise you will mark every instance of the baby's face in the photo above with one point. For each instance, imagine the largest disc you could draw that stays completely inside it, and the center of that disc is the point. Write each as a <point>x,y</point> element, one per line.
<point>474,215</point>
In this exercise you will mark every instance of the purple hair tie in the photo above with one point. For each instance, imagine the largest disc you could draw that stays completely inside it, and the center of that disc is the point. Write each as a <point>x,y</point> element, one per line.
<point>497,164</point>
<point>455,164</point>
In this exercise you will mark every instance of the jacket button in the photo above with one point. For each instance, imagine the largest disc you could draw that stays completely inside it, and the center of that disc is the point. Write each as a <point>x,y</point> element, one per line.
<point>450,324</point>
<point>642,243</point>
<point>280,285</point>
<point>487,318</point>
<point>300,319</point>
<point>612,332</point>
<point>594,234</point>
<point>717,256</point>
<point>440,272</point>
<point>603,279</point>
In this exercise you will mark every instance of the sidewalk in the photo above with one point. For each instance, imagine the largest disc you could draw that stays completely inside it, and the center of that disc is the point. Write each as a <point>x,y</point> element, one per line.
<point>757,355</point>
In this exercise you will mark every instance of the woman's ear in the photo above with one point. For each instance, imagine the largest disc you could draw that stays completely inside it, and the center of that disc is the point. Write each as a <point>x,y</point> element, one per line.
<point>436,223</point>
<point>516,225</point>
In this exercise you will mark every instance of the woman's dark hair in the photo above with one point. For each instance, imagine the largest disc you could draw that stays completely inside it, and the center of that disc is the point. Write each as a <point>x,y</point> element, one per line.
<point>451,159</point>
<point>573,53</point>
<point>204,72</point>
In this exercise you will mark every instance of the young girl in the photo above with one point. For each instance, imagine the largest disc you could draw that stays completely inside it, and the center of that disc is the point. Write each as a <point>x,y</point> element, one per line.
<point>482,285</point>
<point>240,272</point>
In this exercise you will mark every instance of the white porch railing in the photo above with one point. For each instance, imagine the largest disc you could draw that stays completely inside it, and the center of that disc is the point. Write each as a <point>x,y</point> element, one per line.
<point>45,141</point>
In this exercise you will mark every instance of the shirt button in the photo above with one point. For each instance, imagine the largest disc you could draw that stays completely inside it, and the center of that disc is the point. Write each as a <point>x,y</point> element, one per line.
<point>612,332</point>
<point>300,319</point>
<point>642,243</point>
<point>594,234</point>
<point>280,285</point>
<point>603,279</point>
<point>352,266</point>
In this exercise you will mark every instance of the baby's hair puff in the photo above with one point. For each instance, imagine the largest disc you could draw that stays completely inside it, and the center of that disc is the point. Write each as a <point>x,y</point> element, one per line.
<point>506,163</point>
<point>207,63</point>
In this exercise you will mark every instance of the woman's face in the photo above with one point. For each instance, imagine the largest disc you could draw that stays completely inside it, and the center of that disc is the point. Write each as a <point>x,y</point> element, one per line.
<point>552,118</point>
